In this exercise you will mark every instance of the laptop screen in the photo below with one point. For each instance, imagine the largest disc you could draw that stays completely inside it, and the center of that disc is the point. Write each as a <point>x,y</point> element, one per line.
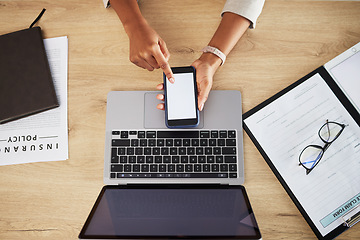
<point>168,212</point>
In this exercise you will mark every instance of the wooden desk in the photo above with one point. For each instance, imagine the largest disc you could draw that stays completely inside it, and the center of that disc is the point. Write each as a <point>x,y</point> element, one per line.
<point>51,200</point>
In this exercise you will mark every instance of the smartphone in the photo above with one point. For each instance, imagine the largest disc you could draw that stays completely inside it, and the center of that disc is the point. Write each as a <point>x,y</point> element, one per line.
<point>181,107</point>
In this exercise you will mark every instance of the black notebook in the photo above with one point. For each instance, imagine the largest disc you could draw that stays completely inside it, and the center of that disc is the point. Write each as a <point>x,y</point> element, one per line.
<point>26,85</point>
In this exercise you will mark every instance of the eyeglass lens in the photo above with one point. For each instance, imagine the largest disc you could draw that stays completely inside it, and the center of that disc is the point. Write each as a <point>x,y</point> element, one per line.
<point>330,131</point>
<point>310,156</point>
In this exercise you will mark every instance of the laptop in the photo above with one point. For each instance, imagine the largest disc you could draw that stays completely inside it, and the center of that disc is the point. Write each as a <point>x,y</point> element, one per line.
<point>172,183</point>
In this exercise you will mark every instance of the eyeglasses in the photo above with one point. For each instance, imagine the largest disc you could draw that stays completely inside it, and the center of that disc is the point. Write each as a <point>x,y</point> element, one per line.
<point>312,154</point>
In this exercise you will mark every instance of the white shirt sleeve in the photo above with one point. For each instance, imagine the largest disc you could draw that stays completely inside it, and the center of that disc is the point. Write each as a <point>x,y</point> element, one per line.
<point>249,9</point>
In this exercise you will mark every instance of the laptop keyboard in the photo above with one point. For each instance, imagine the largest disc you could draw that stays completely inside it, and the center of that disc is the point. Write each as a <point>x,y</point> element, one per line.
<point>174,154</point>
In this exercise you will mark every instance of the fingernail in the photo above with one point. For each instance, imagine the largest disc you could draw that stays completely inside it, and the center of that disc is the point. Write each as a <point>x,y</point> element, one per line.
<point>172,80</point>
<point>201,107</point>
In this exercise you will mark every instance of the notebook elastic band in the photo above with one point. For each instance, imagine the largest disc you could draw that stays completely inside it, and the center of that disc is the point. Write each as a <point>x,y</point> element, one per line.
<point>38,18</point>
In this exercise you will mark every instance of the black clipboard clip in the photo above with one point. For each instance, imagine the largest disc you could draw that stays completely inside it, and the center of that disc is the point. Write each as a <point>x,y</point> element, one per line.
<point>352,217</point>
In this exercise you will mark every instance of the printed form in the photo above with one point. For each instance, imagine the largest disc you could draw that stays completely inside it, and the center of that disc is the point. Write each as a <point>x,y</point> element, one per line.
<point>289,124</point>
<point>43,136</point>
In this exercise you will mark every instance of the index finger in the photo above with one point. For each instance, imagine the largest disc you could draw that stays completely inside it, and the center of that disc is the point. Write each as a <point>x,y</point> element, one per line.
<point>159,57</point>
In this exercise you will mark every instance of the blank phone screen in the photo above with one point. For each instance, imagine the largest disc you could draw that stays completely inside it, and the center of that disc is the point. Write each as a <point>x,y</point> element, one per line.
<point>180,97</point>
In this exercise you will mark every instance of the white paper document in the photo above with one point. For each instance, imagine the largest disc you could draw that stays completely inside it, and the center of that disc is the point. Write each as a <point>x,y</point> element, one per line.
<point>43,136</point>
<point>287,125</point>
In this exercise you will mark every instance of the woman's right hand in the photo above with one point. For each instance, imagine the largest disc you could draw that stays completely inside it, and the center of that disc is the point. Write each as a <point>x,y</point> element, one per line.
<point>147,49</point>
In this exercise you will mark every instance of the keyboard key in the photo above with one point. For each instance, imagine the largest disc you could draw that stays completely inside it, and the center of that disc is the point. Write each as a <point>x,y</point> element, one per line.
<point>233,175</point>
<point>184,159</point>
<point>175,159</point>
<point>140,159</point>
<point>153,167</point>
<point>136,168</point>
<point>132,159</point>
<point>117,168</point>
<point>166,159</point>
<point>147,151</point>
<point>219,159</point>
<point>190,151</point>
<point>121,151</point>
<point>197,167</point>
<point>149,159</point>
<point>120,142</point>
<point>177,142</point>
<point>180,167</point>
<point>113,152</point>
<point>134,142</point>
<point>141,134</point>
<point>133,132</point>
<point>158,159</point>
<point>231,142</point>
<point>232,167</point>
<point>212,142</point>
<point>224,167</point>
<point>223,134</point>
<point>229,150</point>
<point>115,159</point>
<point>206,167</point>
<point>150,134</point>
<point>193,159</point>
<point>115,132</point>
<point>127,168</point>
<point>151,142</point>
<point>214,134</point>
<point>188,167</point>
<point>173,151</point>
<point>124,134</point>
<point>160,142</point>
<point>123,159</point>
<point>186,142</point>
<point>162,168</point>
<point>143,142</point>
<point>156,151</point>
<point>199,151</point>
<point>217,151</point>
<point>230,159</point>
<point>204,142</point>
<point>215,167</point>
<point>201,159</point>
<point>130,151</point>
<point>169,142</point>
<point>145,168</point>
<point>195,142</point>
<point>139,151</point>
<point>221,142</point>
<point>164,151</point>
<point>208,151</point>
<point>178,134</point>
<point>231,134</point>
<point>204,134</point>
<point>171,168</point>
<point>182,151</point>
<point>210,159</point>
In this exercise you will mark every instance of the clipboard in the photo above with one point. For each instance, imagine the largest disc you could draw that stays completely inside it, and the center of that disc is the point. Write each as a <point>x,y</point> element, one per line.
<point>287,122</point>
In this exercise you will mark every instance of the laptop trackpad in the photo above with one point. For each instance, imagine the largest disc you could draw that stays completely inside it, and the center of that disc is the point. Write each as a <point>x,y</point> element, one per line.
<point>155,118</point>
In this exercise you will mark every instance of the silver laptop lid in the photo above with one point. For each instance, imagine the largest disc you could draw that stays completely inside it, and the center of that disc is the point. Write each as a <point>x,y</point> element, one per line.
<point>135,110</point>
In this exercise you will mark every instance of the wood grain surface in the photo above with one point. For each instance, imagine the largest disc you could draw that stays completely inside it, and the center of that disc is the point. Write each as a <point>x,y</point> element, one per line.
<point>51,200</point>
